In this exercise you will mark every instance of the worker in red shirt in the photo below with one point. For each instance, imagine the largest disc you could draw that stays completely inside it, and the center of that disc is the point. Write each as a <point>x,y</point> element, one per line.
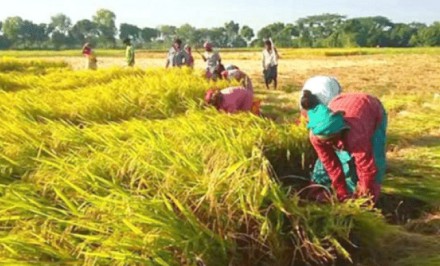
<point>89,54</point>
<point>188,50</point>
<point>356,123</point>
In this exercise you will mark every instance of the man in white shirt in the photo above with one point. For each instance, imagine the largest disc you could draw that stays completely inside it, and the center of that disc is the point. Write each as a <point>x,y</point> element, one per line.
<point>270,64</point>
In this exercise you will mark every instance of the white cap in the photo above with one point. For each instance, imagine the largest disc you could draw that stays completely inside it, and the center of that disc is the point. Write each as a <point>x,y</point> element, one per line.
<point>324,87</point>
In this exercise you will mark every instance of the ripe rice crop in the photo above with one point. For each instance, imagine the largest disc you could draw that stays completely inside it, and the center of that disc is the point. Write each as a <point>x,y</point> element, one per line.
<point>33,66</point>
<point>126,166</point>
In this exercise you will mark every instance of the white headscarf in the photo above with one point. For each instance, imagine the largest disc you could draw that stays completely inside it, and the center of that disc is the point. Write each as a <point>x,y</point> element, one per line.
<point>324,87</point>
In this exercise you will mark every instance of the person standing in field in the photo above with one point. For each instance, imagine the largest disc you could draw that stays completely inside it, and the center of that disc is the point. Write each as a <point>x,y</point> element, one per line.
<point>188,50</point>
<point>129,53</point>
<point>91,60</point>
<point>354,123</point>
<point>177,57</point>
<point>213,61</point>
<point>270,64</point>
<point>230,100</point>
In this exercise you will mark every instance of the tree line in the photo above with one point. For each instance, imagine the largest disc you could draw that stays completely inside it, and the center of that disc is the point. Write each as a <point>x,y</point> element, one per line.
<point>326,30</point>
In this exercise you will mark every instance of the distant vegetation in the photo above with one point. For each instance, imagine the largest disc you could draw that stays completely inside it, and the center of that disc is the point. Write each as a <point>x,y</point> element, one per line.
<point>327,30</point>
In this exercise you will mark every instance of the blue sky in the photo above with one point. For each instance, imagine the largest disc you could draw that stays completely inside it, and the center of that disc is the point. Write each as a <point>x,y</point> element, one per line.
<point>204,13</point>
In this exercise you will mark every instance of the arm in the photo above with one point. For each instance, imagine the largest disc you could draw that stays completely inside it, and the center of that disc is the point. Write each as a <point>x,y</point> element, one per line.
<point>332,165</point>
<point>276,53</point>
<point>170,57</point>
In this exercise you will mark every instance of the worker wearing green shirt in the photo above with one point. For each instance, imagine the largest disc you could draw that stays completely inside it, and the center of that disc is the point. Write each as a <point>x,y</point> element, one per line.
<point>129,52</point>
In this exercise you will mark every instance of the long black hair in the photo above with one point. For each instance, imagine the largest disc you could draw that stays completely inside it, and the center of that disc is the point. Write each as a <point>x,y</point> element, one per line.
<point>309,100</point>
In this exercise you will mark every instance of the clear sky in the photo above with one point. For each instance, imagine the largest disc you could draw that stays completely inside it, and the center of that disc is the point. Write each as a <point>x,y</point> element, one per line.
<point>204,13</point>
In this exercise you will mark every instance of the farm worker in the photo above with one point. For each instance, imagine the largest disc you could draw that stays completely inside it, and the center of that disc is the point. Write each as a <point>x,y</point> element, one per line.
<point>188,50</point>
<point>177,57</point>
<point>231,67</point>
<point>240,76</point>
<point>213,61</point>
<point>355,123</point>
<point>129,53</point>
<point>92,62</point>
<point>230,100</point>
<point>325,88</point>
<point>270,64</point>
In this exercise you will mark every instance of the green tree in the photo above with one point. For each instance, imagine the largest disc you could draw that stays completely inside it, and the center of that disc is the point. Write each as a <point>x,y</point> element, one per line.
<point>33,35</point>
<point>59,40</point>
<point>188,33</point>
<point>280,33</point>
<point>415,40</point>
<point>4,42</point>
<point>105,22</point>
<point>12,29</point>
<point>429,36</point>
<point>367,31</point>
<point>59,28</point>
<point>401,34</point>
<point>216,35</point>
<point>148,34</point>
<point>168,33</point>
<point>318,31</point>
<point>84,31</point>
<point>247,33</point>
<point>239,42</point>
<point>61,23</point>
<point>231,30</point>
<point>129,31</point>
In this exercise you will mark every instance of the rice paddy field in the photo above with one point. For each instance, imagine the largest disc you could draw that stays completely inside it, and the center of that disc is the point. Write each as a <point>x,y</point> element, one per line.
<point>126,166</point>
